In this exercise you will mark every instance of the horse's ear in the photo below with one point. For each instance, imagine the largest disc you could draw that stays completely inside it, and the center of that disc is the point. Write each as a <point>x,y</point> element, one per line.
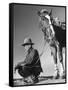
<point>50,14</point>
<point>51,17</point>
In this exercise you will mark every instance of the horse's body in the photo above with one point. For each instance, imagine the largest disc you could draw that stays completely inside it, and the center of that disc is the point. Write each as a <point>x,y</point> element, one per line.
<point>55,36</point>
<point>60,35</point>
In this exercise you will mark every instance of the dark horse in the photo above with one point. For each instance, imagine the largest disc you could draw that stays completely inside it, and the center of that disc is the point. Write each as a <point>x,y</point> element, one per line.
<point>60,35</point>
<point>55,36</point>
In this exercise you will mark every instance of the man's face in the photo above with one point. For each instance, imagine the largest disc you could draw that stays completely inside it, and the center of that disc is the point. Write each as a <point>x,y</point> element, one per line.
<point>27,47</point>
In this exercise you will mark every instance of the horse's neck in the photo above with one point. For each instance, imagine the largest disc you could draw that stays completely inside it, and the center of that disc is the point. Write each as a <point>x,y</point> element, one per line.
<point>50,30</point>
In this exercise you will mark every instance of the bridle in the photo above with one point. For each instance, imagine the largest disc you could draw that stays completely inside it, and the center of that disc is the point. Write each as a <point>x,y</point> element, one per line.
<point>48,30</point>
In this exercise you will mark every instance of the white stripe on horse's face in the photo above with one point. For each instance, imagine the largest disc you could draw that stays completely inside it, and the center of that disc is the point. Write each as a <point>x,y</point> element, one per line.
<point>48,17</point>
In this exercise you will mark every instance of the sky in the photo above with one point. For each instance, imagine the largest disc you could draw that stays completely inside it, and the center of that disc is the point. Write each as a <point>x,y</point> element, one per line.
<point>26,24</point>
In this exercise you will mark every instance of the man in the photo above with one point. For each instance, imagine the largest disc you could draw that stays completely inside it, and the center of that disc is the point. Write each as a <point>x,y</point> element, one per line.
<point>30,68</point>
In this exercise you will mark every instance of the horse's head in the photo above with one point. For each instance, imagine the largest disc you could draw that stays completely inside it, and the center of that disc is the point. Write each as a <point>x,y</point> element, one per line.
<point>44,18</point>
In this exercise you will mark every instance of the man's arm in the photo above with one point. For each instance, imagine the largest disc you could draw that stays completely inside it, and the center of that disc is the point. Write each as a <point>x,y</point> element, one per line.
<point>28,60</point>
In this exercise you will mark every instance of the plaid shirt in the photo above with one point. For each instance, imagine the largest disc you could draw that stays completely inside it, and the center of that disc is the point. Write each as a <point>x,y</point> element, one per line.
<point>32,59</point>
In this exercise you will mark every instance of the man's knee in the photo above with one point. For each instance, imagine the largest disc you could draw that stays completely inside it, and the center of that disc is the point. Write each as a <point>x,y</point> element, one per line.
<point>24,72</point>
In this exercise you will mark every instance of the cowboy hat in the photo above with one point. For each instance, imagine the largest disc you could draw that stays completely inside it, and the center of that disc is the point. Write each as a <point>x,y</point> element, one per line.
<point>27,41</point>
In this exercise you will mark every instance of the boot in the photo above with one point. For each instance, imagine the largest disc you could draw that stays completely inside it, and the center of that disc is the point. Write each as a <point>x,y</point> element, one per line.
<point>34,78</point>
<point>31,79</point>
<point>28,80</point>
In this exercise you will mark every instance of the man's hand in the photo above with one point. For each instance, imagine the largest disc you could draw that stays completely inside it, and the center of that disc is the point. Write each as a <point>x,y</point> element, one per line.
<point>16,67</point>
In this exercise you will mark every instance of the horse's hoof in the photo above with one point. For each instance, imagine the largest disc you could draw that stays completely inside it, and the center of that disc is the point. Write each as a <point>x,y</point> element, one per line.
<point>56,77</point>
<point>63,77</point>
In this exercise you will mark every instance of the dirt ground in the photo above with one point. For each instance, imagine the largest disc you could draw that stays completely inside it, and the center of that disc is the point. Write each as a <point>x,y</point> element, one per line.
<point>42,80</point>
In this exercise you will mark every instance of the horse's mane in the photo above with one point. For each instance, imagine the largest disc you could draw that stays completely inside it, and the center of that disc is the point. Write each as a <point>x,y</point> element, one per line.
<point>60,34</point>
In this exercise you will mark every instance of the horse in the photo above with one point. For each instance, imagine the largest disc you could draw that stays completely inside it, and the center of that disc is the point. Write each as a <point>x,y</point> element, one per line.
<point>55,36</point>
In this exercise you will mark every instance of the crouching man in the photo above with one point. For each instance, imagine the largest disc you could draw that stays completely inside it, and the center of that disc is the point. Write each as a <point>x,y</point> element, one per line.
<point>30,68</point>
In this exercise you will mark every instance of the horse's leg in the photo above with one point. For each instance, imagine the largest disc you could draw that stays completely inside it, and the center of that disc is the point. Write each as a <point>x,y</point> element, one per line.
<point>60,54</point>
<point>54,53</point>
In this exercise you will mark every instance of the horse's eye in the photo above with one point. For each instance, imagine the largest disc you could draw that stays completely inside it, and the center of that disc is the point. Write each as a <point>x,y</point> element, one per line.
<point>42,18</point>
